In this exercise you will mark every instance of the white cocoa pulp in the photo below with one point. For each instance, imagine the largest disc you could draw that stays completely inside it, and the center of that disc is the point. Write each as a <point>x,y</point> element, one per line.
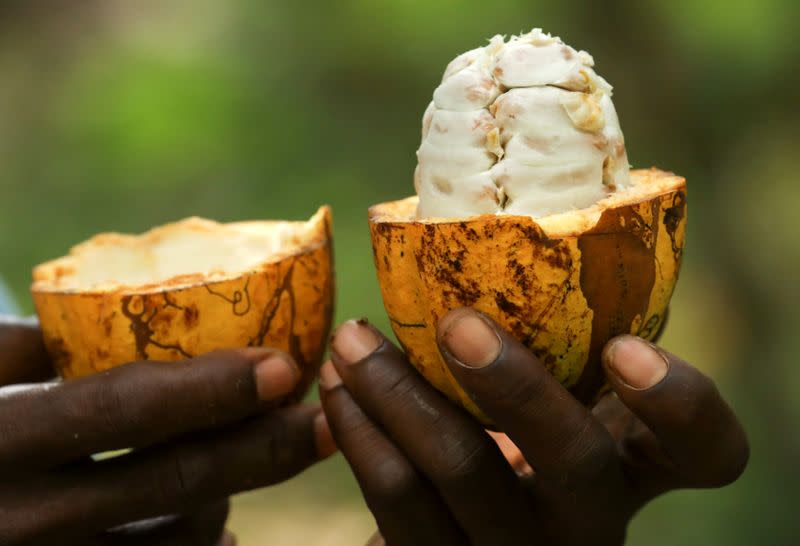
<point>522,127</point>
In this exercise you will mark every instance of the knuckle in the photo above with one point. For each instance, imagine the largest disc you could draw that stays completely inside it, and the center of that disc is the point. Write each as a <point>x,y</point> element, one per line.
<point>392,484</point>
<point>397,388</point>
<point>732,465</point>
<point>717,450</point>
<point>284,446</point>
<point>275,435</point>
<point>183,478</point>
<point>523,391</point>
<point>213,385</point>
<point>349,421</point>
<point>457,461</point>
<point>15,430</point>
<point>738,465</point>
<point>588,453</point>
<point>172,490</point>
<point>211,398</point>
<point>112,407</point>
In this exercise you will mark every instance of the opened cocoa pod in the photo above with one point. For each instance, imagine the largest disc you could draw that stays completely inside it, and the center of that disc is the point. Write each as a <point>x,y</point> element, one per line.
<point>187,288</point>
<point>527,211</point>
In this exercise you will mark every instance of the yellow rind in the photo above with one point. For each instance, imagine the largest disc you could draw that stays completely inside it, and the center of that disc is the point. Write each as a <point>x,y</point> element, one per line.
<point>564,295</point>
<point>285,304</point>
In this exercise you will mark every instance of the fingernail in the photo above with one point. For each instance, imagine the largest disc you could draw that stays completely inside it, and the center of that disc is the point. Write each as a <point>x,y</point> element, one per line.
<point>636,362</point>
<point>470,339</point>
<point>276,376</point>
<point>329,378</point>
<point>354,340</point>
<point>323,438</point>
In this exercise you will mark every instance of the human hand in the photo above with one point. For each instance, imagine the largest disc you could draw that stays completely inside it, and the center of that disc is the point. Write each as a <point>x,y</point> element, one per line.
<point>431,475</point>
<point>202,430</point>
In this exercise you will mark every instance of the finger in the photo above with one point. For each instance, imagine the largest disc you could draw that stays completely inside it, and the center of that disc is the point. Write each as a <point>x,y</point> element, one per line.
<point>23,358</point>
<point>204,527</point>
<point>694,425</point>
<point>557,435</point>
<point>448,446</point>
<point>406,507</point>
<point>137,405</point>
<point>175,478</point>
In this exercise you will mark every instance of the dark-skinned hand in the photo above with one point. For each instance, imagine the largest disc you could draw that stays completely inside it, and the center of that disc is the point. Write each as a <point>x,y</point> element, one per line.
<point>201,429</point>
<point>564,475</point>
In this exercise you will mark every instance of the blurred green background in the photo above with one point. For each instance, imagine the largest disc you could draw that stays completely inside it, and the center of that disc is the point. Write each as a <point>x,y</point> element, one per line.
<point>120,115</point>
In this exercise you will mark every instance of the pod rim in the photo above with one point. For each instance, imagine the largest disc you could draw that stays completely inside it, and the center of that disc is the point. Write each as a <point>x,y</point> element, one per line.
<point>648,184</point>
<point>312,234</point>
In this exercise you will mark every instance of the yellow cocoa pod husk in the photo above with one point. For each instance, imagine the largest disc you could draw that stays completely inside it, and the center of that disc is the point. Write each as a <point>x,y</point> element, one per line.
<point>285,302</point>
<point>563,285</point>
